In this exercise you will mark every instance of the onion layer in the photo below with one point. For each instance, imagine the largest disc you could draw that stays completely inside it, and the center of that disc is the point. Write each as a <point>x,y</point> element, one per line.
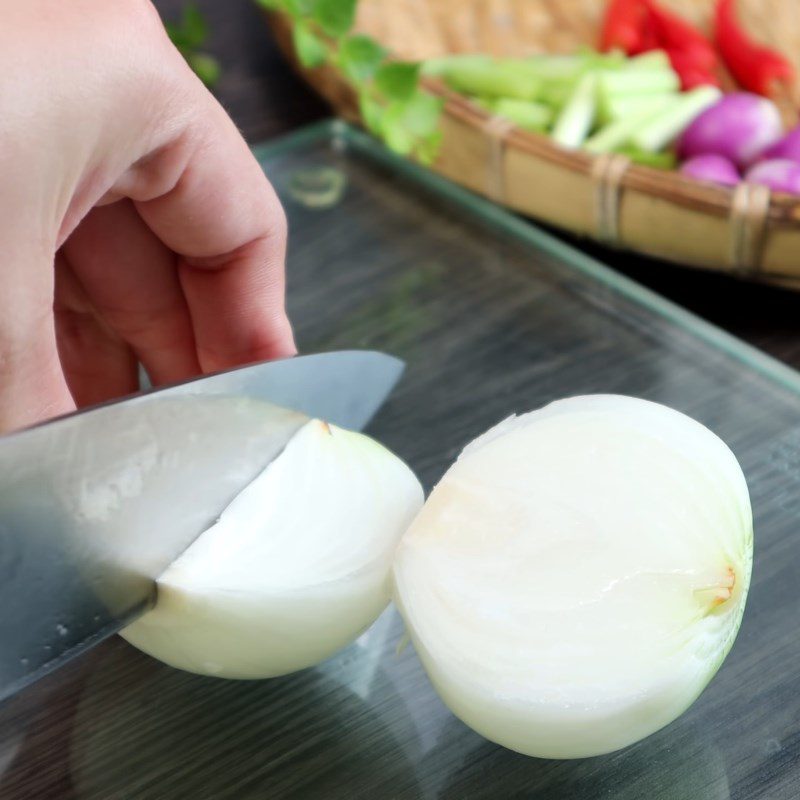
<point>579,574</point>
<point>296,567</point>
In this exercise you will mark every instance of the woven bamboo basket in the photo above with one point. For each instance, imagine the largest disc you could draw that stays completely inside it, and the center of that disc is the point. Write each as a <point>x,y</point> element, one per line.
<point>746,231</point>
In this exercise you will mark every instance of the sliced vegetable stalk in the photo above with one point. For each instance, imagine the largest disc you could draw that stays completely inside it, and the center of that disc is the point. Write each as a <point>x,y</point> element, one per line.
<point>438,67</point>
<point>638,81</point>
<point>576,119</point>
<point>667,125</point>
<point>619,107</point>
<point>620,132</point>
<point>665,160</point>
<point>492,79</point>
<point>653,59</point>
<point>526,115</point>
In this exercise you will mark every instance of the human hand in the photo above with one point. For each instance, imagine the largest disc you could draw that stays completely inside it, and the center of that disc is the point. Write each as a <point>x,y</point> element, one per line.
<point>135,222</point>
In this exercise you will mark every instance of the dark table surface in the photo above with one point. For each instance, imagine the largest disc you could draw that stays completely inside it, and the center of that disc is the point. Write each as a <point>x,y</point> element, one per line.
<point>491,317</point>
<point>266,99</point>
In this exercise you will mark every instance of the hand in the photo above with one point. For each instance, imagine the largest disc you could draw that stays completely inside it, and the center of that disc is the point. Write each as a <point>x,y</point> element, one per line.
<point>135,223</point>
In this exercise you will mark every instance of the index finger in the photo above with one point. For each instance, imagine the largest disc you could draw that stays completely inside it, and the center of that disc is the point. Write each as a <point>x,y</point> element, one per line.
<point>206,197</point>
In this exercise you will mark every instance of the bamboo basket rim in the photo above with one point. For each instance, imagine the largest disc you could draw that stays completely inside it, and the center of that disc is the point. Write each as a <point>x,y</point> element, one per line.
<point>704,196</point>
<point>753,212</point>
<point>708,197</point>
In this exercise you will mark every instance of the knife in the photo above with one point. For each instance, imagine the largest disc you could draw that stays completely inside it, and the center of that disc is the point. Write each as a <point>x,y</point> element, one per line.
<point>96,504</point>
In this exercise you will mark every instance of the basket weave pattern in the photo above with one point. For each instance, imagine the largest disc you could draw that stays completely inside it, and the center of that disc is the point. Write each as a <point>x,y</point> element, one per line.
<point>746,231</point>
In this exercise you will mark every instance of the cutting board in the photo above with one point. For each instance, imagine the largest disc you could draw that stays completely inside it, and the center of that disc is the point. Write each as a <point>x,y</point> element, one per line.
<point>492,316</point>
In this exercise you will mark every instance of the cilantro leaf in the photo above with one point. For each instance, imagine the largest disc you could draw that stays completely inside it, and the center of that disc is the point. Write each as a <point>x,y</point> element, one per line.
<point>191,31</point>
<point>397,80</point>
<point>335,17</point>
<point>299,7</point>
<point>310,49</point>
<point>360,57</point>
<point>206,67</point>
<point>391,104</point>
<point>412,125</point>
<point>371,113</point>
<point>194,24</point>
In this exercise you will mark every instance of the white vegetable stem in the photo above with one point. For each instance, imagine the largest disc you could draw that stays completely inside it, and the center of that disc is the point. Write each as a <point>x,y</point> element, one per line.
<point>666,126</point>
<point>295,568</point>
<point>579,574</point>
<point>577,117</point>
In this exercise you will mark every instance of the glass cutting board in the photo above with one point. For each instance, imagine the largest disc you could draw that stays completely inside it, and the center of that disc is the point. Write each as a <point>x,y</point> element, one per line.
<point>492,316</point>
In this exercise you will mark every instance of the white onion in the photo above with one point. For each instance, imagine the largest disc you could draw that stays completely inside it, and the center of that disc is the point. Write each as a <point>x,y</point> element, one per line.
<point>296,567</point>
<point>579,574</point>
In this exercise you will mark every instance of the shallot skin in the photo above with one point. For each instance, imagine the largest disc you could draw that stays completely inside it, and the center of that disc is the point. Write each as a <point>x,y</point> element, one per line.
<point>740,127</point>
<point>779,174</point>
<point>712,168</point>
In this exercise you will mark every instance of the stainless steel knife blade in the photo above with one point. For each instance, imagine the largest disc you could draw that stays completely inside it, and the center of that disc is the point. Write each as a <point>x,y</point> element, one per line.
<point>95,505</point>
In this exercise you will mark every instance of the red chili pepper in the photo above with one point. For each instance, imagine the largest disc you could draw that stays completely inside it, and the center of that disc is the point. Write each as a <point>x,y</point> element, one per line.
<point>648,40</point>
<point>691,74</point>
<point>756,68</point>
<point>623,26</point>
<point>677,35</point>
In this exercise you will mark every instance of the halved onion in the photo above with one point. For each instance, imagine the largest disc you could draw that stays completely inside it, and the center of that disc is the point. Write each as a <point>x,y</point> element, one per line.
<point>579,574</point>
<point>296,567</point>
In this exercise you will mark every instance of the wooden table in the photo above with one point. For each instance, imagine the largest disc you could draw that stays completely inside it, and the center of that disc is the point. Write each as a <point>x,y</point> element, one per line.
<point>266,99</point>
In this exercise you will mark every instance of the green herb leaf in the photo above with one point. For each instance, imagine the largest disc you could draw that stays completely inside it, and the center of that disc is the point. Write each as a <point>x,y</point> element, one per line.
<point>299,8</point>
<point>187,36</point>
<point>360,57</point>
<point>335,17</point>
<point>191,31</point>
<point>405,125</point>
<point>428,148</point>
<point>194,25</point>
<point>423,113</point>
<point>397,80</point>
<point>206,67</point>
<point>309,47</point>
<point>371,113</point>
<point>392,106</point>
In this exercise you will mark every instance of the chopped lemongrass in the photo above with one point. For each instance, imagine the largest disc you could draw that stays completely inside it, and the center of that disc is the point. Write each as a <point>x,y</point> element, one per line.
<point>637,81</point>
<point>664,160</point>
<point>653,59</point>
<point>618,133</point>
<point>526,115</point>
<point>492,79</point>
<point>668,124</point>
<point>618,107</point>
<point>578,115</point>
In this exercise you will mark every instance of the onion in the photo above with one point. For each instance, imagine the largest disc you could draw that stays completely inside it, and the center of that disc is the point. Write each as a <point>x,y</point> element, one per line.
<point>713,168</point>
<point>579,574</point>
<point>740,126</point>
<point>788,147</point>
<point>296,567</point>
<point>780,174</point>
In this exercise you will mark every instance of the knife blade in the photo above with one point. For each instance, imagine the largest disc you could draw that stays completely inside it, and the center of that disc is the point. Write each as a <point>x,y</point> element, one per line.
<point>96,504</point>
